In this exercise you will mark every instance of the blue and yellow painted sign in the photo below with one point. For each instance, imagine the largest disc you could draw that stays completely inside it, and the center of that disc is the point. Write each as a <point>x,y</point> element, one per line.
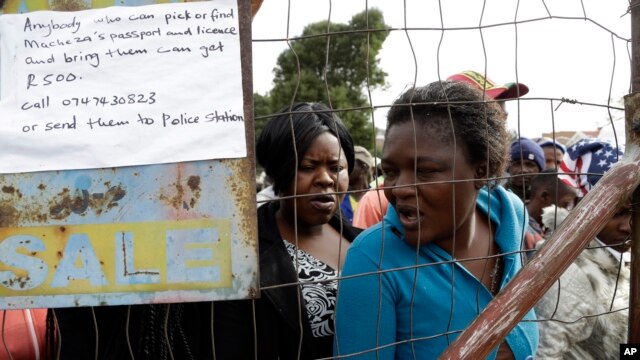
<point>142,234</point>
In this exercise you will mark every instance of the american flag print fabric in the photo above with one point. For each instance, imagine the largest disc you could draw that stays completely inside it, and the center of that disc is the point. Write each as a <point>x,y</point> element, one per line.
<point>586,161</point>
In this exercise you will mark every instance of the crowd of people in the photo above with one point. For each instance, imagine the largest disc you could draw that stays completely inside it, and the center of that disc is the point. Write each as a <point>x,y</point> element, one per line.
<point>394,265</point>
<point>458,209</point>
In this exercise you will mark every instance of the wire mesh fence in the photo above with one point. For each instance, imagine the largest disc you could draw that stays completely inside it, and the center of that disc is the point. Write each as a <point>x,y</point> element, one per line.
<point>432,41</point>
<point>410,287</point>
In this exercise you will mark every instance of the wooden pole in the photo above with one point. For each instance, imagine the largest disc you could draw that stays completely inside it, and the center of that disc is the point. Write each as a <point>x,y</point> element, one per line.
<point>491,327</point>
<point>632,131</point>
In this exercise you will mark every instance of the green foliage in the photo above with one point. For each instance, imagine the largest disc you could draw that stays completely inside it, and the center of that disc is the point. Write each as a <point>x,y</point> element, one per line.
<point>261,107</point>
<point>339,80</point>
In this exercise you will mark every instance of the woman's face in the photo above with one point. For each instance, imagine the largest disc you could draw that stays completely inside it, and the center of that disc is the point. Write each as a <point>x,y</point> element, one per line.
<point>617,230</point>
<point>322,171</point>
<point>428,212</point>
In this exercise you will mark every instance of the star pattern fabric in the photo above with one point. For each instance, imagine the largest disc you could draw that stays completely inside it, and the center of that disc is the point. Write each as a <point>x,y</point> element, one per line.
<point>586,161</point>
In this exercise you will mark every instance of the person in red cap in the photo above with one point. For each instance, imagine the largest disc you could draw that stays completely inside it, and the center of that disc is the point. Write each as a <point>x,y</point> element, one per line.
<point>492,90</point>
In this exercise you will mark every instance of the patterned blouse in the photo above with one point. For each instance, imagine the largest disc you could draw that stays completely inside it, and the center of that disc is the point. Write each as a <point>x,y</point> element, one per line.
<point>319,289</point>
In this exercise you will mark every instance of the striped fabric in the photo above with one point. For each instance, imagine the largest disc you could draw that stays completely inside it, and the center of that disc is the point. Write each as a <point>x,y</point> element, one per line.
<point>585,162</point>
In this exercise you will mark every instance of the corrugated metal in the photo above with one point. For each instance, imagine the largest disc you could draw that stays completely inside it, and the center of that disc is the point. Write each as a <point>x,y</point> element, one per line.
<point>51,206</point>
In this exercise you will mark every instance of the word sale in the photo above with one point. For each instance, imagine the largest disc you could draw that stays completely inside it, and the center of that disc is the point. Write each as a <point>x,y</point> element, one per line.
<point>85,259</point>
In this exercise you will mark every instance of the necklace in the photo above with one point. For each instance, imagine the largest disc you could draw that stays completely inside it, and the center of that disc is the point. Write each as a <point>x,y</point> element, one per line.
<point>496,276</point>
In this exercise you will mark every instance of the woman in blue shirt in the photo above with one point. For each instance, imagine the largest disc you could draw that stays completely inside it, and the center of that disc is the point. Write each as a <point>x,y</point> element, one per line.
<point>450,240</point>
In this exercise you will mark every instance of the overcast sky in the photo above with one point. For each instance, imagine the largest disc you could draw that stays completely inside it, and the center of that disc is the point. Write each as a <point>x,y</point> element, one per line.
<point>556,58</point>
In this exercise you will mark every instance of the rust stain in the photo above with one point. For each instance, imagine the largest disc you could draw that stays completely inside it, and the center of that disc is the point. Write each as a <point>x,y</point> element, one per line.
<point>107,200</point>
<point>118,193</point>
<point>65,203</point>
<point>194,184</point>
<point>58,207</point>
<point>12,215</point>
<point>179,190</point>
<point>79,204</point>
<point>11,190</point>
<point>21,281</point>
<point>9,216</point>
<point>68,5</point>
<point>253,293</point>
<point>175,200</point>
<point>61,208</point>
<point>243,194</point>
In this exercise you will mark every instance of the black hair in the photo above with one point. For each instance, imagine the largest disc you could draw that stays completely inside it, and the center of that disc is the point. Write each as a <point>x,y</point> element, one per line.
<point>476,123</point>
<point>301,124</point>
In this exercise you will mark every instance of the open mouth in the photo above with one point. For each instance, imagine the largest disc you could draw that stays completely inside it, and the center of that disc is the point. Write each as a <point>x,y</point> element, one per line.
<point>410,217</point>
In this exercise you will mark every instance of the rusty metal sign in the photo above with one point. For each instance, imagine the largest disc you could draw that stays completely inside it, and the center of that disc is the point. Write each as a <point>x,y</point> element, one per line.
<point>142,234</point>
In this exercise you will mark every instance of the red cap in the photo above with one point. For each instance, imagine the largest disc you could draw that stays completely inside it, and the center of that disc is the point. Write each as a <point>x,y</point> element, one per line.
<point>496,92</point>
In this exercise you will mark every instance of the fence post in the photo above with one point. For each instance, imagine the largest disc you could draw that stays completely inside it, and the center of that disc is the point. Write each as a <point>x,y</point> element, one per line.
<point>632,131</point>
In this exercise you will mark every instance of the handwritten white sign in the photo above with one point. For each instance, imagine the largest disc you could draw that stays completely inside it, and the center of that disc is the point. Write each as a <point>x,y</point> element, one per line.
<point>120,86</point>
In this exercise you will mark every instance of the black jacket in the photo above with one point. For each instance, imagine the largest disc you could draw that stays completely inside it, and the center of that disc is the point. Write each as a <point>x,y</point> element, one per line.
<point>188,332</point>
<point>280,314</point>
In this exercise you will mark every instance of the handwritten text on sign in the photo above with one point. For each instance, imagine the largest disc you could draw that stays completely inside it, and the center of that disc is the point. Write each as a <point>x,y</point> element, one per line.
<point>120,86</point>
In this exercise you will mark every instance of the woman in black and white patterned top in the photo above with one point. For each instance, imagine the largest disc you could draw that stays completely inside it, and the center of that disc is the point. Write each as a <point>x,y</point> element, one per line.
<point>302,240</point>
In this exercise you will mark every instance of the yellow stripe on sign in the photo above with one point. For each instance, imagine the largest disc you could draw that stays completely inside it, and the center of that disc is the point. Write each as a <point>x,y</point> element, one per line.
<point>123,257</point>
<point>98,4</point>
<point>12,6</point>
